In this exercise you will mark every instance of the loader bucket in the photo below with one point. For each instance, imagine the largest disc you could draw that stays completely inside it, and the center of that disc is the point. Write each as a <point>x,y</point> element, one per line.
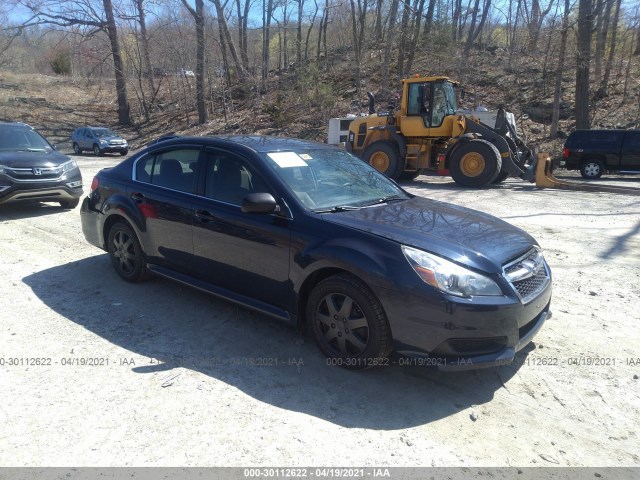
<point>545,179</point>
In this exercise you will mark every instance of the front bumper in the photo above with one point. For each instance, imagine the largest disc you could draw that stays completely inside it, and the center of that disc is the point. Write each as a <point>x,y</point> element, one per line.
<point>430,329</point>
<point>67,187</point>
<point>114,148</point>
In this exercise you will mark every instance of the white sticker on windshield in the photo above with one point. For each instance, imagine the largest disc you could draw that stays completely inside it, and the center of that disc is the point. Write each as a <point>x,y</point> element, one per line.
<point>305,156</point>
<point>287,159</point>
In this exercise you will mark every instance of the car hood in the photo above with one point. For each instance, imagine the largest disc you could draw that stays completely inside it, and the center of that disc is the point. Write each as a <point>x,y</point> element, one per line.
<point>114,137</point>
<point>463,235</point>
<point>45,159</point>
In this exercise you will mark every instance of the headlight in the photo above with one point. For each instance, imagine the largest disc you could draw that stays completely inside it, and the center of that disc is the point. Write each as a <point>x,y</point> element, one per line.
<point>449,277</point>
<point>70,165</point>
<point>103,142</point>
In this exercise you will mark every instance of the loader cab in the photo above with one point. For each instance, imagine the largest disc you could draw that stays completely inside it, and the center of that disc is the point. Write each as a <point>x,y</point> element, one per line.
<point>429,103</point>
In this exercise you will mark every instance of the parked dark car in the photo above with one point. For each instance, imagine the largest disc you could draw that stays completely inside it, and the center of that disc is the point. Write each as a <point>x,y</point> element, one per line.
<point>32,169</point>
<point>98,140</point>
<point>595,151</point>
<point>313,236</point>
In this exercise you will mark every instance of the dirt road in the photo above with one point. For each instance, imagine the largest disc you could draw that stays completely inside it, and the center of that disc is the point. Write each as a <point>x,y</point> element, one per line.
<point>97,372</point>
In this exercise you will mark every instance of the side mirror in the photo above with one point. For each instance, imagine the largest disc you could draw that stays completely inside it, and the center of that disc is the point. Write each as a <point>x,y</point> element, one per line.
<point>259,203</point>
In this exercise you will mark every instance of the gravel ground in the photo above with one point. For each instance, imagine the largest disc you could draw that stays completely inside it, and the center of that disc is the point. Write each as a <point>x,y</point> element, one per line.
<point>170,376</point>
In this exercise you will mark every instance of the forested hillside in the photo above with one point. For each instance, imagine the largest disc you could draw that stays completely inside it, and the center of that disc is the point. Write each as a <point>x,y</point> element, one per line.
<point>286,66</point>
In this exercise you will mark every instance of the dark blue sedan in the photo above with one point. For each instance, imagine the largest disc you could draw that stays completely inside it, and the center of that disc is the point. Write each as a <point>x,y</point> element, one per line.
<point>315,237</point>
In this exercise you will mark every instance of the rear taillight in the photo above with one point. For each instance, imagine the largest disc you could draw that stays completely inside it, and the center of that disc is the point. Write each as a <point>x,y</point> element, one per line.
<point>566,152</point>
<point>94,184</point>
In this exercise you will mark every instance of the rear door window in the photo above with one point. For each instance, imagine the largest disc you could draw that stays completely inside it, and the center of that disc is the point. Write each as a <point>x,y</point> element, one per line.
<point>174,169</point>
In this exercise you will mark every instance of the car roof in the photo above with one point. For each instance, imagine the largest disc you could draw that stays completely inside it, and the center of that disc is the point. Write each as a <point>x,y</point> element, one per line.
<point>16,124</point>
<point>257,143</point>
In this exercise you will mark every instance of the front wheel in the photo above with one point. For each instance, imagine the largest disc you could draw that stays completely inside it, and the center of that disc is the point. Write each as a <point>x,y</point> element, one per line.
<point>69,204</point>
<point>475,164</point>
<point>126,253</point>
<point>96,151</point>
<point>348,323</point>
<point>592,169</point>
<point>502,176</point>
<point>76,149</point>
<point>384,157</point>
<point>124,152</point>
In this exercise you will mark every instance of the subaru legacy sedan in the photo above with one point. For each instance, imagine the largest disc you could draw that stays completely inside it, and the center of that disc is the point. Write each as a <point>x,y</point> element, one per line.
<point>313,236</point>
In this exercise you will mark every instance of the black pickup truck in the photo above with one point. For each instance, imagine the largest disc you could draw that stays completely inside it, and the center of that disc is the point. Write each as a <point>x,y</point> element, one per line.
<point>595,151</point>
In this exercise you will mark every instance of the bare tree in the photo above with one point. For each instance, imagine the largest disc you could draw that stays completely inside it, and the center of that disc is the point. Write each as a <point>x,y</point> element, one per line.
<point>389,43</point>
<point>583,60</point>
<point>612,48</point>
<point>358,19</point>
<point>84,13</point>
<point>535,24</point>
<point>198,17</point>
<point>557,96</point>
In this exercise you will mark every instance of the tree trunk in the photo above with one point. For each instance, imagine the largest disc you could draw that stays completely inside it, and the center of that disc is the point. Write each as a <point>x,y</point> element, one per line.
<point>358,17</point>
<point>378,25</point>
<point>612,48</point>
<point>146,58</point>
<point>124,113</point>
<point>557,96</point>
<point>267,10</point>
<point>389,43</point>
<point>198,17</point>
<point>222,23</point>
<point>416,32</point>
<point>404,36</point>
<point>603,12</point>
<point>583,59</point>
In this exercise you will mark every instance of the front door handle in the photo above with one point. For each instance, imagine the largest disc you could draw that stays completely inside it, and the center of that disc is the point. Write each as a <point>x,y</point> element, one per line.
<point>138,197</point>
<point>204,216</point>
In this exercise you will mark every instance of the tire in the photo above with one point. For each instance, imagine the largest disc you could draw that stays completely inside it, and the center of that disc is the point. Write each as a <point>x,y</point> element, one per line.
<point>126,253</point>
<point>124,152</point>
<point>96,151</point>
<point>475,164</point>
<point>70,204</point>
<point>502,176</point>
<point>591,169</point>
<point>76,149</point>
<point>410,175</point>
<point>384,157</point>
<point>359,340</point>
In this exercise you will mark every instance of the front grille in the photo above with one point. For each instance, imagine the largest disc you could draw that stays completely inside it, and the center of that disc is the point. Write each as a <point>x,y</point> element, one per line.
<point>528,275</point>
<point>47,173</point>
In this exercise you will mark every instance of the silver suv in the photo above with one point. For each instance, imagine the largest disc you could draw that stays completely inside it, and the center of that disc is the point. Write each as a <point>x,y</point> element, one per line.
<point>99,140</point>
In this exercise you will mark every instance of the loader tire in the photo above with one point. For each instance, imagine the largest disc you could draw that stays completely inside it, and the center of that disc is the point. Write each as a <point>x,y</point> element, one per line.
<point>475,164</point>
<point>384,157</point>
<point>502,176</point>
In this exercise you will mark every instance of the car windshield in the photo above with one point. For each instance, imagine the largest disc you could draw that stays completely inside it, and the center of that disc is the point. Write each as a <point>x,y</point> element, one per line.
<point>103,132</point>
<point>20,139</point>
<point>333,180</point>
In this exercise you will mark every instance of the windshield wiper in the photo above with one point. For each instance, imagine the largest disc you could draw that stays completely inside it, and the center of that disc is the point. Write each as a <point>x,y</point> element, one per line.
<point>338,208</point>
<point>390,198</point>
<point>30,150</point>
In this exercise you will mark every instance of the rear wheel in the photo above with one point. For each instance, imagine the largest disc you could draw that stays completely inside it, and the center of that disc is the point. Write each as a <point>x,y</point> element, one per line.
<point>70,204</point>
<point>76,149</point>
<point>126,253</point>
<point>592,169</point>
<point>384,157</point>
<point>475,164</point>
<point>96,150</point>
<point>348,323</point>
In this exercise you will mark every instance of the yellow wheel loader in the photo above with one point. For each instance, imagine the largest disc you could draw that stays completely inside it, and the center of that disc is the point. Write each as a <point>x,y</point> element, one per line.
<point>428,134</point>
